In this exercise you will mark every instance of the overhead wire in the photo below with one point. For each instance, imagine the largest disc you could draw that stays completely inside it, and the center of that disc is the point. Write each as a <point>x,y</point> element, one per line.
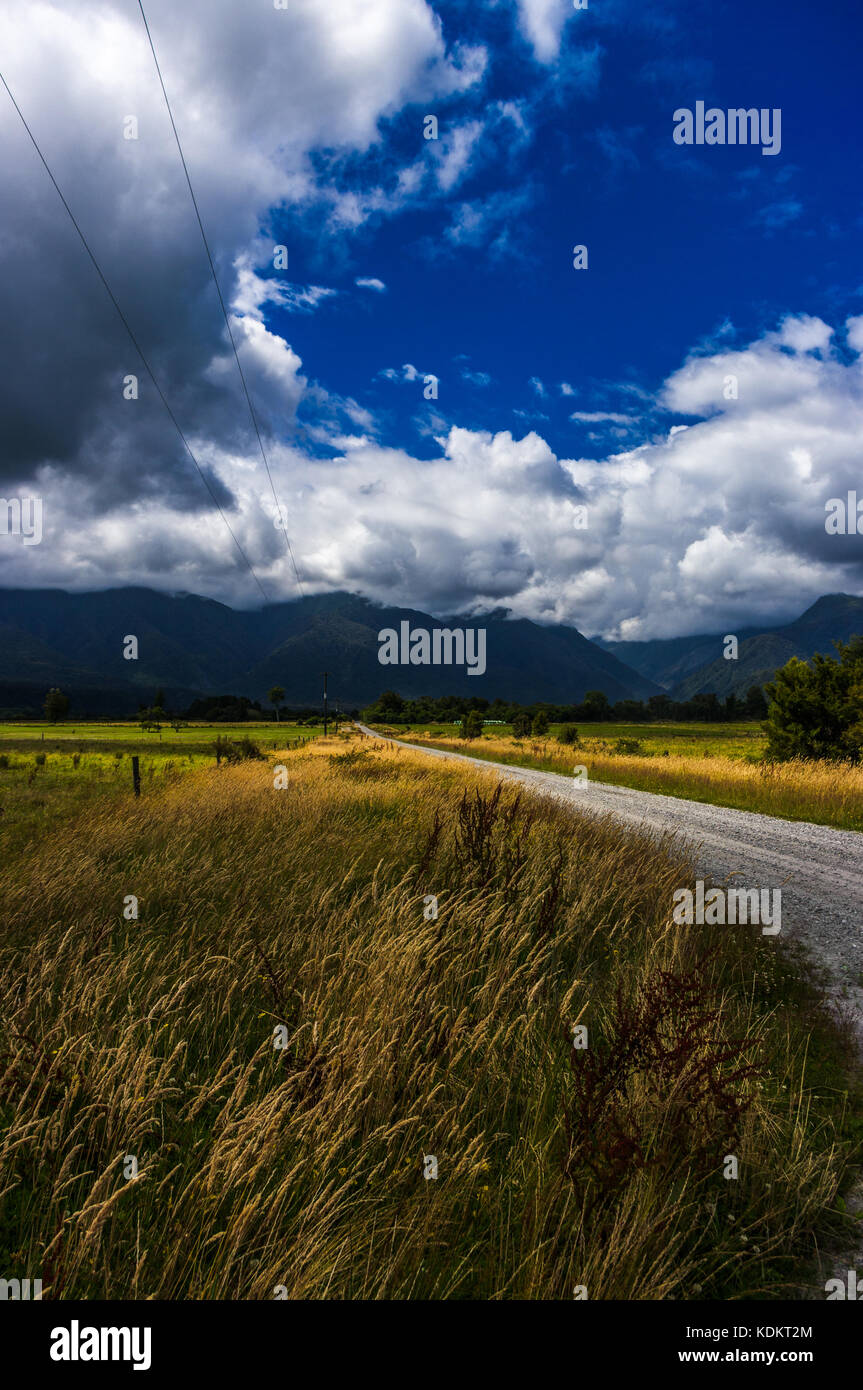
<point>135,343</point>
<point>252,413</point>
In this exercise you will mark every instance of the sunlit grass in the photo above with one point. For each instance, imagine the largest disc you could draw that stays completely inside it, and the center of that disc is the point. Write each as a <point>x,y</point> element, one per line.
<point>822,792</point>
<point>43,782</point>
<point>408,1035</point>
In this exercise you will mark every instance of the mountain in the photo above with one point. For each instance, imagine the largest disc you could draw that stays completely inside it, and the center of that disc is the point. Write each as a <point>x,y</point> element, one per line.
<point>686,666</point>
<point>191,646</point>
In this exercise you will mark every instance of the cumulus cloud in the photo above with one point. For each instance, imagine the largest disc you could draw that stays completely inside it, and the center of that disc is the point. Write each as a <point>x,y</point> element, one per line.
<point>717,520</point>
<point>709,525</point>
<point>316,77</point>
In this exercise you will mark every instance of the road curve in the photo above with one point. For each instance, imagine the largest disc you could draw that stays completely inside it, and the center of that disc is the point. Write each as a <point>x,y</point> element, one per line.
<point>819,869</point>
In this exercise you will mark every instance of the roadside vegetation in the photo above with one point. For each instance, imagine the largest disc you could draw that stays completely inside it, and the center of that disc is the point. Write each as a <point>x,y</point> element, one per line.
<point>722,767</point>
<point>422,944</point>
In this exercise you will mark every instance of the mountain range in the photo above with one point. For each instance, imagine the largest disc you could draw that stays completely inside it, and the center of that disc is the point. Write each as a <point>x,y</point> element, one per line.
<point>191,646</point>
<point>686,666</point>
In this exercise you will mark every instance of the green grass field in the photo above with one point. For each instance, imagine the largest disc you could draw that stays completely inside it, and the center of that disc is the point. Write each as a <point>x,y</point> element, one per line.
<point>130,732</point>
<point>686,740</point>
<point>49,772</point>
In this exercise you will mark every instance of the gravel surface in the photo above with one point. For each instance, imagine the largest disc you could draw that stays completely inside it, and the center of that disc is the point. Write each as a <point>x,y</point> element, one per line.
<point>819,869</point>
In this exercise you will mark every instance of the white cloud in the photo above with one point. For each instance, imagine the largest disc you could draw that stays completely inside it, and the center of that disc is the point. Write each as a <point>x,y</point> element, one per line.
<point>702,527</point>
<point>492,221</point>
<point>256,93</point>
<point>718,523</point>
<point>595,417</point>
<point>453,153</point>
<point>406,373</point>
<point>367,282</point>
<point>541,22</point>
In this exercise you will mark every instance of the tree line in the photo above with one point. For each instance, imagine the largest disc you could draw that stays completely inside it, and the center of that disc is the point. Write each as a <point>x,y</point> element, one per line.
<point>809,710</point>
<point>595,708</point>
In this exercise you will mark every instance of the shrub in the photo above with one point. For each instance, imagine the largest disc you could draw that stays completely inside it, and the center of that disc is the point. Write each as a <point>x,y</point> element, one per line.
<point>696,1084</point>
<point>238,750</point>
<point>521,724</point>
<point>628,745</point>
<point>569,735</point>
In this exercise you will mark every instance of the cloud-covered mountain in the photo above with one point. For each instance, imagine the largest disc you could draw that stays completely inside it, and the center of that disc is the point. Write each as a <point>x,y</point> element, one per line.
<point>686,666</point>
<point>190,645</point>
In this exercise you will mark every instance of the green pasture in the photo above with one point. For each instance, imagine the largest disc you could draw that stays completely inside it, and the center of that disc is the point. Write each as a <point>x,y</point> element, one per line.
<point>738,740</point>
<point>49,772</point>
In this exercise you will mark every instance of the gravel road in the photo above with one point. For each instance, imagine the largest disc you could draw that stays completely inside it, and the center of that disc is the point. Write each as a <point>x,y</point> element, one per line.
<point>819,869</point>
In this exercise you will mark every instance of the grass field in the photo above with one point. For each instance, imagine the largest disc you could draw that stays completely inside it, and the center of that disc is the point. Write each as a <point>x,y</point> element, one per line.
<point>421,947</point>
<point>130,732</point>
<point>720,764</point>
<point>43,780</point>
<point>737,740</point>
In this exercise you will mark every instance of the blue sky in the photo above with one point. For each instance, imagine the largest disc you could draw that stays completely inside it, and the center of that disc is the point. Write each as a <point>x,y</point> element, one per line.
<point>683,243</point>
<point>583,461</point>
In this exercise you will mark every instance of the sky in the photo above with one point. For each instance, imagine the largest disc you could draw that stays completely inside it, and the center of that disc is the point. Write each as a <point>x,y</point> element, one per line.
<point>455,417</point>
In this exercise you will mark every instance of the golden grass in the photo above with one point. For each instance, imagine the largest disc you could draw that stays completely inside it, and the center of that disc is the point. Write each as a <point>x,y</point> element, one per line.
<point>299,1172</point>
<point>822,792</point>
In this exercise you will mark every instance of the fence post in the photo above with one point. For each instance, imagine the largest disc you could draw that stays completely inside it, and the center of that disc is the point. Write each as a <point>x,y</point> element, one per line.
<point>136,775</point>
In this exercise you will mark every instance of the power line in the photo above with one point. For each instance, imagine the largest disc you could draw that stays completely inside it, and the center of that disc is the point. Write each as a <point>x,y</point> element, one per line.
<point>254,417</point>
<point>135,342</point>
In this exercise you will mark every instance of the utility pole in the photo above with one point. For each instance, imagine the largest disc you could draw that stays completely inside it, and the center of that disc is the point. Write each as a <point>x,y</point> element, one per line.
<point>326,673</point>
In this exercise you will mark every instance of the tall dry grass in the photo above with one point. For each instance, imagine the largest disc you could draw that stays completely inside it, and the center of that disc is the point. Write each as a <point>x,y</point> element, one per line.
<point>826,793</point>
<point>300,1172</point>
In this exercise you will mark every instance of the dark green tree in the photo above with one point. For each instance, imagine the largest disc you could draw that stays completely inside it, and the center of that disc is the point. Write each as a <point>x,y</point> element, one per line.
<point>276,698</point>
<point>471,725</point>
<point>390,703</point>
<point>521,724</point>
<point>539,727</point>
<point>151,720</point>
<point>595,705</point>
<point>816,709</point>
<point>659,707</point>
<point>56,705</point>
